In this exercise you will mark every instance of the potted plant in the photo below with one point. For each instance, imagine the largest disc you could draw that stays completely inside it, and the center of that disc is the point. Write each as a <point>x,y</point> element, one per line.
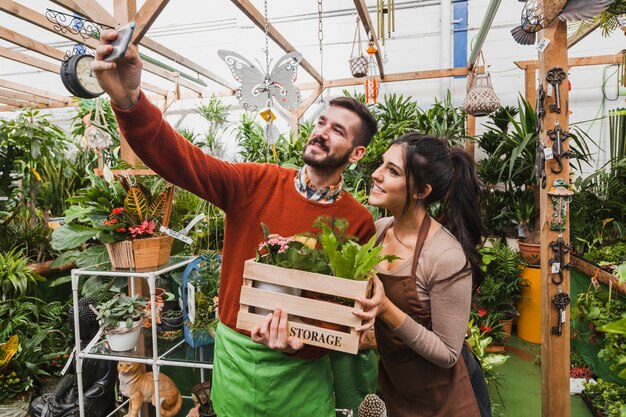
<point>122,319</point>
<point>502,289</point>
<point>171,320</point>
<point>131,235</point>
<point>124,215</point>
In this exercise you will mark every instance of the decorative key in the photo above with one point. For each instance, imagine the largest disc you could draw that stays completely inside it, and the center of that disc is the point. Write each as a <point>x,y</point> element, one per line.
<point>558,135</point>
<point>541,164</point>
<point>539,107</point>
<point>560,301</point>
<point>555,77</point>
<point>557,263</point>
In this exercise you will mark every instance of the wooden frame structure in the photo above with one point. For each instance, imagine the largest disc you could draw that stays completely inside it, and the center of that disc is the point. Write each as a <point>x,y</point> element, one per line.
<point>555,350</point>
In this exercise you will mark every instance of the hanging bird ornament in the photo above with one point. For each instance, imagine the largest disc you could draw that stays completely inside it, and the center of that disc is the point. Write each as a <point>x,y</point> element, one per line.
<point>257,88</point>
<point>536,17</point>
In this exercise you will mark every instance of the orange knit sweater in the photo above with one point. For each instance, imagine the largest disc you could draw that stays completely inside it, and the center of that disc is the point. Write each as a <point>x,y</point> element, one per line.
<point>249,194</point>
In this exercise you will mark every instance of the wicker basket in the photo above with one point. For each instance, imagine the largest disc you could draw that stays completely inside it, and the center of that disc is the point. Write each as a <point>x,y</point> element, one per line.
<point>140,253</point>
<point>481,99</point>
<point>358,66</point>
<point>17,407</point>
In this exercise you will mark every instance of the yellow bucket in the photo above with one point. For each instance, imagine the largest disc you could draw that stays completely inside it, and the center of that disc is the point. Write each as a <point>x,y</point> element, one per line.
<point>529,320</point>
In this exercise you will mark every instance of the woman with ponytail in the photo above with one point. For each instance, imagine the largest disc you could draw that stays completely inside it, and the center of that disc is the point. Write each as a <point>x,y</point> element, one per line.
<point>422,299</point>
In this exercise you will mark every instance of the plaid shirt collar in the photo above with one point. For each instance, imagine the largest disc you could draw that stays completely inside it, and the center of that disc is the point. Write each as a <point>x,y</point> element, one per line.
<point>327,194</point>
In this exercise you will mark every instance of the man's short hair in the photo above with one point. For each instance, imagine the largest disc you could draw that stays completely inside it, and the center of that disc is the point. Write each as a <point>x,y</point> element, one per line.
<point>367,126</point>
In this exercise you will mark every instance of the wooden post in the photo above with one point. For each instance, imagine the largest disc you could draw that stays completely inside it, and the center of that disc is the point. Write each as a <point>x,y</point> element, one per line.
<point>294,123</point>
<point>471,131</point>
<point>124,11</point>
<point>530,75</point>
<point>555,349</point>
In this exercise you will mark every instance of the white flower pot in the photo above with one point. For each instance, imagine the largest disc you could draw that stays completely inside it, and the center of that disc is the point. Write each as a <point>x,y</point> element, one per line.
<point>122,338</point>
<point>274,288</point>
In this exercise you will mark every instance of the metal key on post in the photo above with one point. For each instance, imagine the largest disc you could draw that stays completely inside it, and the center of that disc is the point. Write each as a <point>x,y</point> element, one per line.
<point>555,77</point>
<point>560,301</point>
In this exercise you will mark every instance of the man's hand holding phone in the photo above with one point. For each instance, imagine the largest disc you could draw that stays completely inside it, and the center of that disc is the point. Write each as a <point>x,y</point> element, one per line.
<point>117,66</point>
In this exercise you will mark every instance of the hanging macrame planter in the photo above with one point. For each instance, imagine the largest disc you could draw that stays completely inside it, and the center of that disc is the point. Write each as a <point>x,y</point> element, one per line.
<point>481,99</point>
<point>358,63</point>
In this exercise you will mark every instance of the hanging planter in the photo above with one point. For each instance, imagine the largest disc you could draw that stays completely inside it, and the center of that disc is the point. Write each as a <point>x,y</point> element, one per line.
<point>481,99</point>
<point>358,63</point>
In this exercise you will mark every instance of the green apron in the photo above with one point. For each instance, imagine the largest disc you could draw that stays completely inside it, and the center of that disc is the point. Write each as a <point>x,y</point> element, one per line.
<point>253,381</point>
<point>354,376</point>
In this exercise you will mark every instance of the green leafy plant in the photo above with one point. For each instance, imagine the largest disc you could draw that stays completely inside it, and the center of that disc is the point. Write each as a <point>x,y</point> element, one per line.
<point>479,340</point>
<point>206,282</point>
<point>503,285</point>
<point>350,259</point>
<point>16,279</point>
<point>121,309</point>
<point>607,397</point>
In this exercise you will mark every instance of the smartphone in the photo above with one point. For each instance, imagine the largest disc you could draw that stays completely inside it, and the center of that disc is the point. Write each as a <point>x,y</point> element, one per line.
<point>120,44</point>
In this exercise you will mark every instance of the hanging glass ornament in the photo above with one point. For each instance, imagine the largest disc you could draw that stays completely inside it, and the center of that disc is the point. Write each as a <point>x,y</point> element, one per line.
<point>97,139</point>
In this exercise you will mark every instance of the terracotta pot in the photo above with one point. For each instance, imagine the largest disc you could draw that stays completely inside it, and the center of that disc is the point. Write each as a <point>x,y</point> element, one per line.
<point>507,327</point>
<point>493,348</point>
<point>531,253</point>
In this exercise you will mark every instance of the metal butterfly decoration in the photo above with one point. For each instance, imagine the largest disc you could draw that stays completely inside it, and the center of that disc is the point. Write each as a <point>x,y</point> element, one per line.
<point>257,89</point>
<point>535,17</point>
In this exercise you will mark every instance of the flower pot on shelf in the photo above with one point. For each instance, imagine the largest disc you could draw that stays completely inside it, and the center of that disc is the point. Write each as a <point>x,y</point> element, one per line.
<point>140,253</point>
<point>122,338</point>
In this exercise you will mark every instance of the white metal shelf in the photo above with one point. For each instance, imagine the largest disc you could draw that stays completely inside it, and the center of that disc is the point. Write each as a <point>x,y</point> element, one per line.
<point>156,360</point>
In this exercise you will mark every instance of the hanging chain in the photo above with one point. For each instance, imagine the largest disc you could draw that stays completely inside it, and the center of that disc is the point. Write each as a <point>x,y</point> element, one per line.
<point>320,37</point>
<point>267,58</point>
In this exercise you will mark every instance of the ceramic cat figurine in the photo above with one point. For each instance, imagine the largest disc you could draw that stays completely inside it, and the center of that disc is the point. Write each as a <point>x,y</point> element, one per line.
<point>138,386</point>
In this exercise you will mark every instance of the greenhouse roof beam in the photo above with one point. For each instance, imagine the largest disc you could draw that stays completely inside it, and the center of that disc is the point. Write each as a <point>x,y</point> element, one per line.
<point>94,11</point>
<point>35,92</point>
<point>54,53</point>
<point>364,14</point>
<point>258,19</point>
<point>579,62</point>
<point>38,19</point>
<point>29,60</point>
<point>146,16</point>
<point>32,44</point>
<point>580,35</point>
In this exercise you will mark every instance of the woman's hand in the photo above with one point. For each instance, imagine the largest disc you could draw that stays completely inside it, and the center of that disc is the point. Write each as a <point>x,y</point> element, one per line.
<point>372,307</point>
<point>274,334</point>
<point>119,79</point>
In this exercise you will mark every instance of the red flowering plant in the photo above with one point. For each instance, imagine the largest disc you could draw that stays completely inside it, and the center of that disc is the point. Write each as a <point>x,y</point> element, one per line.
<point>488,322</point>
<point>138,216</point>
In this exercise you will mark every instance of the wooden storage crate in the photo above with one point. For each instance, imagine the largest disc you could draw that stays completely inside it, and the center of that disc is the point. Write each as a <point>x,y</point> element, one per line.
<point>140,254</point>
<point>316,310</point>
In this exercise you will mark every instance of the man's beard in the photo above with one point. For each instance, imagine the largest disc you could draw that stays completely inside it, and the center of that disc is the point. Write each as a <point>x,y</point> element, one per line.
<point>329,163</point>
